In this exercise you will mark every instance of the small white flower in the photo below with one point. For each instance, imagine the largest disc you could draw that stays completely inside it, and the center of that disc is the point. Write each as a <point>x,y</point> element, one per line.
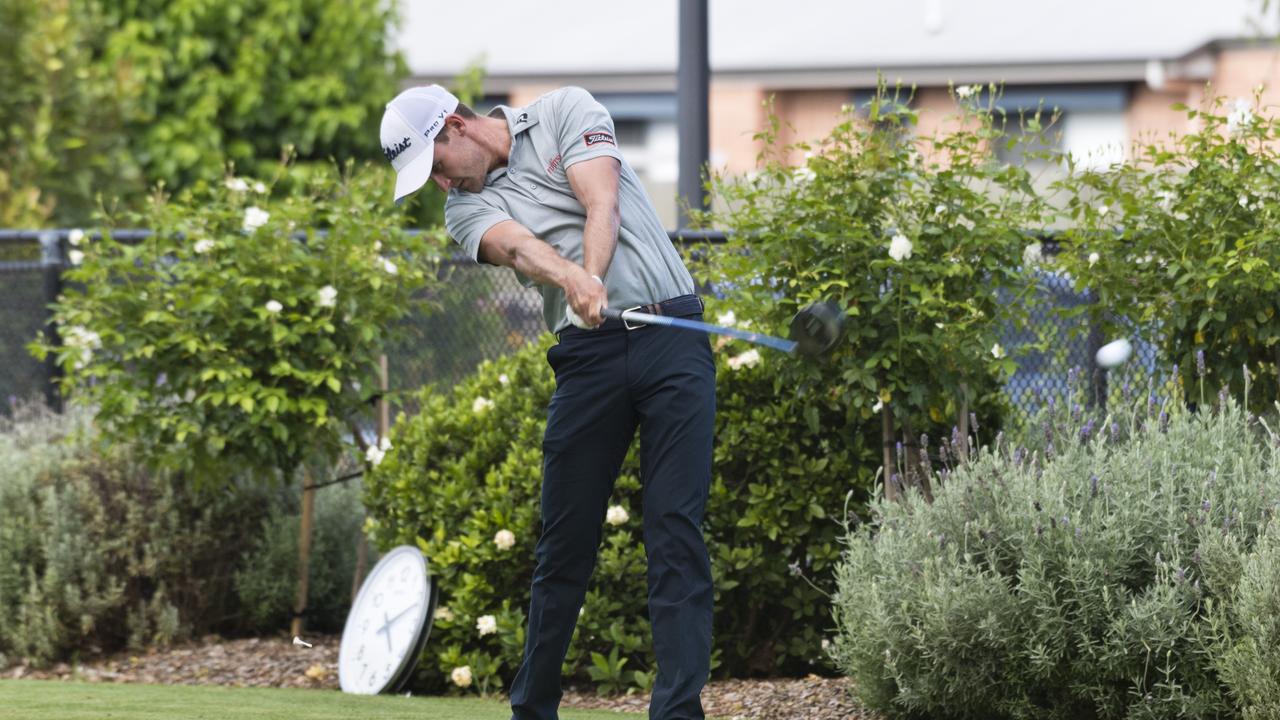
<point>1032,254</point>
<point>461,676</point>
<point>727,319</point>
<point>1093,259</point>
<point>377,246</point>
<point>750,358</point>
<point>503,379</point>
<point>443,613</point>
<point>966,91</point>
<point>1103,210</point>
<point>75,256</point>
<point>1244,201</point>
<point>254,218</point>
<point>940,210</point>
<point>375,455</point>
<point>203,246</point>
<point>878,406</point>
<point>900,248</point>
<point>616,515</point>
<point>486,625</point>
<point>481,404</point>
<point>273,307</point>
<point>826,645</point>
<point>75,237</point>
<point>389,266</point>
<point>1240,117</point>
<point>964,222</point>
<point>260,188</point>
<point>504,539</point>
<point>235,184</point>
<point>997,352</point>
<point>327,296</point>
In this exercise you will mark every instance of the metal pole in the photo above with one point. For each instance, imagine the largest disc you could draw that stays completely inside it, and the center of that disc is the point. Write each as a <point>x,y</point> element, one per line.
<point>693,76</point>
<point>51,268</point>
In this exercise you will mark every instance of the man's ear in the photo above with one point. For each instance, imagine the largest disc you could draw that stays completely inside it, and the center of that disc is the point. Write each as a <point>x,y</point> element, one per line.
<point>456,123</point>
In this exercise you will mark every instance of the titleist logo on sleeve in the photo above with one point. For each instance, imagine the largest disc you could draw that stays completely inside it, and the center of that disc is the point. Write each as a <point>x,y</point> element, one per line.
<point>593,138</point>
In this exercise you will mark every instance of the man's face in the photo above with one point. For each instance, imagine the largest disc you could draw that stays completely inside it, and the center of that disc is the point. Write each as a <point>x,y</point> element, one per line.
<point>460,163</point>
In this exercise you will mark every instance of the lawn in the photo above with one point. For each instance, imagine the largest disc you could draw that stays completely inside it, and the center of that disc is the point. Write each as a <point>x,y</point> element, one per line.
<point>55,700</point>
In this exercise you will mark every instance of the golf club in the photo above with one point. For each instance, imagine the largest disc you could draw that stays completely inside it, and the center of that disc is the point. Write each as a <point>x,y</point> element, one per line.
<point>814,330</point>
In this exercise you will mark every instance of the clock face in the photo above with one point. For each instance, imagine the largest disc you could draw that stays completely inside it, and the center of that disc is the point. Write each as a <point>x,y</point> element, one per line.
<point>387,625</point>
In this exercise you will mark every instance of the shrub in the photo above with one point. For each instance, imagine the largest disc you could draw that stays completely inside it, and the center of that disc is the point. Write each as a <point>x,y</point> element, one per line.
<point>1117,568</point>
<point>922,243</point>
<point>266,583</point>
<point>463,470</point>
<point>97,553</point>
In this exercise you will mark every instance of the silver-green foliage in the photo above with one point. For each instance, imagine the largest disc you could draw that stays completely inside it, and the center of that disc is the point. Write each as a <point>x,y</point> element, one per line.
<point>97,553</point>
<point>1114,568</point>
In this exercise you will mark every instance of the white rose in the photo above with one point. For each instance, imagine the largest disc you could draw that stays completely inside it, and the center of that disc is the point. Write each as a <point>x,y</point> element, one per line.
<point>997,352</point>
<point>461,676</point>
<point>1240,117</point>
<point>900,248</point>
<point>616,515</point>
<point>727,318</point>
<point>254,218</point>
<point>274,307</point>
<point>75,237</point>
<point>878,406</point>
<point>389,266</point>
<point>374,455</point>
<point>486,625</point>
<point>750,358</point>
<point>260,188</point>
<point>236,184</point>
<point>481,404</point>
<point>1103,210</point>
<point>75,256</point>
<point>1093,259</point>
<point>443,613</point>
<point>1032,254</point>
<point>503,379</point>
<point>504,539</point>
<point>327,296</point>
<point>966,91</point>
<point>203,246</point>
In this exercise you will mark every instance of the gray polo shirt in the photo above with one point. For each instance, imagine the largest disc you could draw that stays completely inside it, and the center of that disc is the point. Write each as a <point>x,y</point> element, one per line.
<point>555,131</point>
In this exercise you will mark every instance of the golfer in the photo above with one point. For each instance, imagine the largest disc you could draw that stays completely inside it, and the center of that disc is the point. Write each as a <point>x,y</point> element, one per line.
<point>543,189</point>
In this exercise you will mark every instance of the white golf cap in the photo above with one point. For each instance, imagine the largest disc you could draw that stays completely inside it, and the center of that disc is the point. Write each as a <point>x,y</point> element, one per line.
<point>409,128</point>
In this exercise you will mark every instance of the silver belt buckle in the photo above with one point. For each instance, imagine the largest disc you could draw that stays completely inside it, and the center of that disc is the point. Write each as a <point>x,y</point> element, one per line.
<point>628,325</point>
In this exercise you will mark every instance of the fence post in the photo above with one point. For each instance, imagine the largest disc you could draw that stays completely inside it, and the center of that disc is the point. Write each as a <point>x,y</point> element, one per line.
<point>51,270</point>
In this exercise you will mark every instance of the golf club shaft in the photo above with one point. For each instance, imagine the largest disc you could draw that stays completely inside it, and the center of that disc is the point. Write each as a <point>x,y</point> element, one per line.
<point>635,316</point>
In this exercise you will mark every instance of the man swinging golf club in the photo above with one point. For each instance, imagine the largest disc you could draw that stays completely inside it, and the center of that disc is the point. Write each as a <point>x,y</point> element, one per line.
<point>543,189</point>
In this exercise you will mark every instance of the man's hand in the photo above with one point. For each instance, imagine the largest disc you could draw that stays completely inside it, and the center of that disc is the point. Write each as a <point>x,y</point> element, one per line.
<point>585,296</point>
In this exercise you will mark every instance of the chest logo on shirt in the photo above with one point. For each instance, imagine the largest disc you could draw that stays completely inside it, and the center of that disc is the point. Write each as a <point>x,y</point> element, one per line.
<point>553,165</point>
<point>593,138</point>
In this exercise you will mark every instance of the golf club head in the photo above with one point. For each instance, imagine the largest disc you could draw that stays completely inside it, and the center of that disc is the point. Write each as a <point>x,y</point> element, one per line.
<point>817,328</point>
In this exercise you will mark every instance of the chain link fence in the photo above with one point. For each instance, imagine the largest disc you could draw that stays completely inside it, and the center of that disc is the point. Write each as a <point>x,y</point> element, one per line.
<point>481,313</point>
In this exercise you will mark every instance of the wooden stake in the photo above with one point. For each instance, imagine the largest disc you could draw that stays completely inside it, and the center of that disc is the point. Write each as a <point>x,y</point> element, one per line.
<point>304,549</point>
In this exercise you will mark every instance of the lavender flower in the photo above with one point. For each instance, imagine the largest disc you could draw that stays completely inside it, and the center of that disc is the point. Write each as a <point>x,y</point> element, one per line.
<point>1115,432</point>
<point>1093,486</point>
<point>1164,421</point>
<point>973,422</point>
<point>1200,369</point>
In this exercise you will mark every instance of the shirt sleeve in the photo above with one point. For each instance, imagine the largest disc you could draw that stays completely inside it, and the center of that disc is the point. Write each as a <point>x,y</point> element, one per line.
<point>585,130</point>
<point>468,218</point>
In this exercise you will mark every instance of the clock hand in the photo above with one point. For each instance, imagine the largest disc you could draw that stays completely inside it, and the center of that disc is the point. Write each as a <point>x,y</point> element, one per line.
<point>401,613</point>
<point>386,627</point>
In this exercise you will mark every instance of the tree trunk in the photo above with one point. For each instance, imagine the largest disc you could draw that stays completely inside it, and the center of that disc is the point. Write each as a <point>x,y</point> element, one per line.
<point>304,549</point>
<point>962,422</point>
<point>914,471</point>
<point>887,445</point>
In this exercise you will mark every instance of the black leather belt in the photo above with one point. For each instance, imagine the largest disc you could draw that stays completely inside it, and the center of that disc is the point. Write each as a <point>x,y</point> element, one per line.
<point>681,306</point>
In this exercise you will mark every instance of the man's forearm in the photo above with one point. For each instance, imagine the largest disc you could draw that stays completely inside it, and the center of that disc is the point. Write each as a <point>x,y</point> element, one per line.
<point>541,263</point>
<point>599,239</point>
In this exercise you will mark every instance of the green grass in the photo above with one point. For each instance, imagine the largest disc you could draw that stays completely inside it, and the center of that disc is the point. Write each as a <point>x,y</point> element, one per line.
<point>54,700</point>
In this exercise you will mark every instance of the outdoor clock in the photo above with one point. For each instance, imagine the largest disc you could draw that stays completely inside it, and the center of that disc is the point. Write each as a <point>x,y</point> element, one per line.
<point>388,624</point>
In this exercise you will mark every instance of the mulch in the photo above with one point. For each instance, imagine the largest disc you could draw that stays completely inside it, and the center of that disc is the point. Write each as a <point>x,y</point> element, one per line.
<point>276,662</point>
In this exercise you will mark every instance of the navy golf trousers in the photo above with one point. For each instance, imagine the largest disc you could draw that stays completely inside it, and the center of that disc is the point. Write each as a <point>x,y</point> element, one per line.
<point>609,381</point>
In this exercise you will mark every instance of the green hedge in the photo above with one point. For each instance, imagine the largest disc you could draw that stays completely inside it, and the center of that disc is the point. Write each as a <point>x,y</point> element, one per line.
<point>1119,567</point>
<point>461,471</point>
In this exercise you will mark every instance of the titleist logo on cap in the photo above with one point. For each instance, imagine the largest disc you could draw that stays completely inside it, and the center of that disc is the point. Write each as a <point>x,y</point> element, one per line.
<point>394,151</point>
